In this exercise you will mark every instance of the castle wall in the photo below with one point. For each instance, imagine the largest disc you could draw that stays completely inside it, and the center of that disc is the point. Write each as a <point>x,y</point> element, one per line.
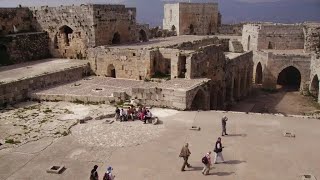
<point>312,37</point>
<point>15,20</point>
<point>111,19</point>
<point>171,19</point>
<point>191,18</point>
<point>278,62</point>
<point>239,76</point>
<point>70,29</point>
<point>24,47</point>
<point>272,36</point>
<point>231,29</point>
<point>127,63</point>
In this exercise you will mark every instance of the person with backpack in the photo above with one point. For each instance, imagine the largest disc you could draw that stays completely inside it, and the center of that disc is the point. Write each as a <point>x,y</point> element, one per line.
<point>94,174</point>
<point>108,175</point>
<point>218,150</point>
<point>185,153</point>
<point>206,160</point>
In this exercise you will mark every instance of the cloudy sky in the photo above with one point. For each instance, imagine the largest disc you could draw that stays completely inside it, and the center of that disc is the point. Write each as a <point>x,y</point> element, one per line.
<point>233,11</point>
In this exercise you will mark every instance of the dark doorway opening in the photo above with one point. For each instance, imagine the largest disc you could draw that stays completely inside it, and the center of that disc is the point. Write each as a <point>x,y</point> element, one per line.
<point>314,88</point>
<point>116,38</point>
<point>66,31</point>
<point>270,46</point>
<point>198,102</point>
<point>4,56</point>
<point>111,71</point>
<point>191,29</point>
<point>182,67</point>
<point>290,78</point>
<point>143,36</point>
<point>258,78</point>
<point>248,45</point>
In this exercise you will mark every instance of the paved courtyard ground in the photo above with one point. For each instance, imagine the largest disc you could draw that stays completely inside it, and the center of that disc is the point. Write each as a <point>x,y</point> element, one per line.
<point>255,148</point>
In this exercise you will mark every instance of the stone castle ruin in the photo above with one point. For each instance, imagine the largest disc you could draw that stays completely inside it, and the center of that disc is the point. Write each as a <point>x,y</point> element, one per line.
<point>197,69</point>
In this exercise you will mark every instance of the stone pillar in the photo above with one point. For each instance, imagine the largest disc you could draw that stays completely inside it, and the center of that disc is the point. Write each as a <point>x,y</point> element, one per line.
<point>174,66</point>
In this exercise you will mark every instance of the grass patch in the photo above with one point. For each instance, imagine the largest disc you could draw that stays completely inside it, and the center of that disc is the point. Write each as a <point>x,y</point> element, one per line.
<point>160,75</point>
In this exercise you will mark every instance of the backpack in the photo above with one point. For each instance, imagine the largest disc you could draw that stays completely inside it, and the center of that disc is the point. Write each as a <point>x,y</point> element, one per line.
<point>106,177</point>
<point>205,160</point>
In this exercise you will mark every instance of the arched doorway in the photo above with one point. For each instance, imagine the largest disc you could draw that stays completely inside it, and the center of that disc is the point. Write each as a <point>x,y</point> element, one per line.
<point>4,55</point>
<point>116,38</point>
<point>314,87</point>
<point>258,77</point>
<point>191,29</point>
<point>270,46</point>
<point>248,45</point>
<point>66,31</point>
<point>143,36</point>
<point>289,77</point>
<point>173,28</point>
<point>111,71</point>
<point>198,102</point>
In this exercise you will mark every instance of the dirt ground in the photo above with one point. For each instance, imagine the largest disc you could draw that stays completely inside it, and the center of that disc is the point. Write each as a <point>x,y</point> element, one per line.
<point>284,101</point>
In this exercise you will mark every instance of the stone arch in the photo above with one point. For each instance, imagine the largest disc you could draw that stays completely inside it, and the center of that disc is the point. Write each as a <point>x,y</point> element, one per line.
<point>4,55</point>
<point>191,29</point>
<point>258,75</point>
<point>143,36</point>
<point>111,71</point>
<point>116,38</point>
<point>66,31</point>
<point>198,102</point>
<point>314,86</point>
<point>289,77</point>
<point>248,45</point>
<point>173,28</point>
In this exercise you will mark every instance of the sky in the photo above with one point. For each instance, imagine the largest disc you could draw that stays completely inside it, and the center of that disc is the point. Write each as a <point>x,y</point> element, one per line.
<point>233,11</point>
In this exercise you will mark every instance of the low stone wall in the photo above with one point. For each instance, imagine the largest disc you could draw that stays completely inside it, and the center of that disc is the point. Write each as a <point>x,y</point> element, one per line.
<point>232,29</point>
<point>18,90</point>
<point>24,47</point>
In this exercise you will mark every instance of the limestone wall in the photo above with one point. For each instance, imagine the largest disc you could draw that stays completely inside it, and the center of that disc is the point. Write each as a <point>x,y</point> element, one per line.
<point>171,18</point>
<point>231,29</point>
<point>312,37</point>
<point>272,36</point>
<point>278,62</point>
<point>70,29</point>
<point>260,57</point>
<point>15,20</point>
<point>19,90</point>
<point>314,76</point>
<point>111,19</point>
<point>24,47</point>
<point>191,18</point>
<point>127,63</point>
<point>239,76</point>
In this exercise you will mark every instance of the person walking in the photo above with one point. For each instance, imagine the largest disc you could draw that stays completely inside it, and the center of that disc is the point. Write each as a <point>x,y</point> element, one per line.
<point>94,174</point>
<point>108,175</point>
<point>185,153</point>
<point>224,125</point>
<point>206,160</point>
<point>218,150</point>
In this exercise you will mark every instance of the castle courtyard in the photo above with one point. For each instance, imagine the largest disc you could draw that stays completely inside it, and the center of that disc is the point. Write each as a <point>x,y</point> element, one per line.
<point>255,148</point>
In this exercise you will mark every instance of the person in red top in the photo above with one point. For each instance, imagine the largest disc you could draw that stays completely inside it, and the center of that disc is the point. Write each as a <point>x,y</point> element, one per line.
<point>207,166</point>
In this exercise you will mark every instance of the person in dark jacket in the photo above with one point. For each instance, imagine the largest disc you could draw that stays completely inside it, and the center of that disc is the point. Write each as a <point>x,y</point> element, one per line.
<point>218,150</point>
<point>94,174</point>
<point>185,153</point>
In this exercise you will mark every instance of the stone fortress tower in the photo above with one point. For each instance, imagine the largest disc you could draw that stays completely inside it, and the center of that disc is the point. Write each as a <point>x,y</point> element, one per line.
<point>191,18</point>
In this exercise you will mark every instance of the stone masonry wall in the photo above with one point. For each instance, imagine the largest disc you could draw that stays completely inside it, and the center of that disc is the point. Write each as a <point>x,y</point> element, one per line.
<point>127,63</point>
<point>312,37</point>
<point>24,47</point>
<point>70,29</point>
<point>111,19</point>
<point>15,20</point>
<point>191,18</point>
<point>232,29</point>
<point>277,62</point>
<point>19,90</point>
<point>250,37</point>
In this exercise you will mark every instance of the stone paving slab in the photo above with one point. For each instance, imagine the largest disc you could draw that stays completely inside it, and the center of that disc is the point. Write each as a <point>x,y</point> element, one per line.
<point>37,68</point>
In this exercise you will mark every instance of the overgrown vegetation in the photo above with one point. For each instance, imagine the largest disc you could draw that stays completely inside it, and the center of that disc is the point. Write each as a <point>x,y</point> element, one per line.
<point>161,75</point>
